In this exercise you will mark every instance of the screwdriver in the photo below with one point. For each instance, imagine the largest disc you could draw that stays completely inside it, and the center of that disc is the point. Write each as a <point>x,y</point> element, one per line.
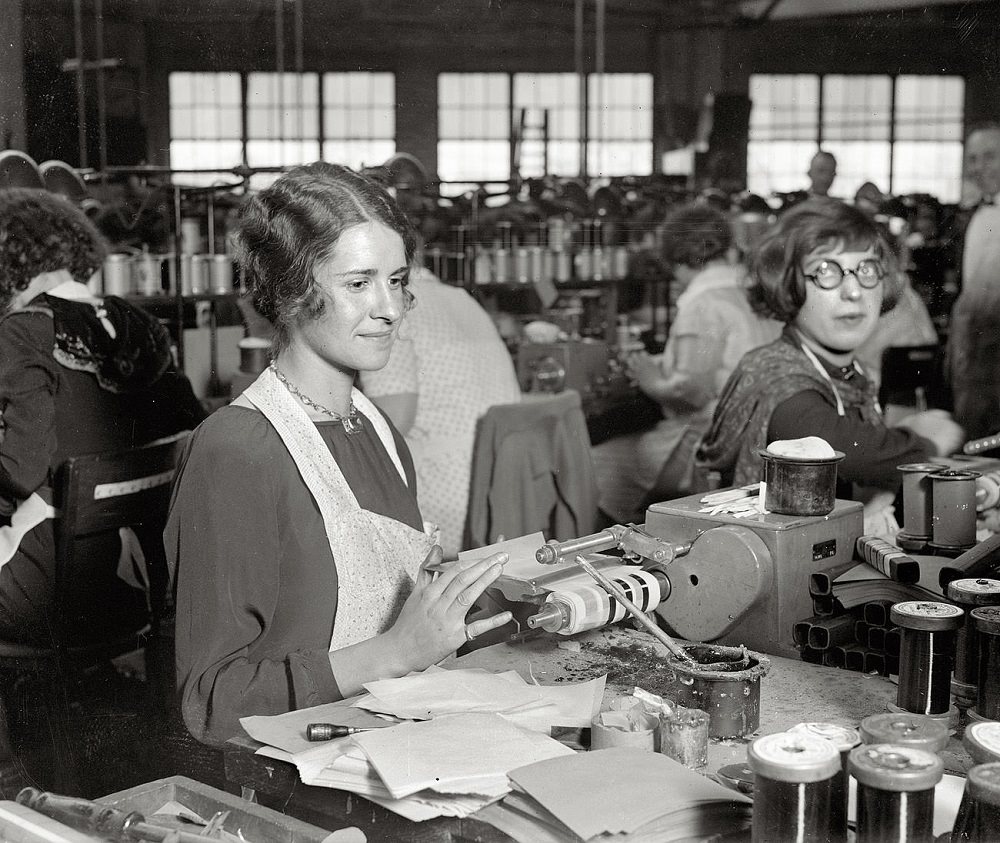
<point>329,731</point>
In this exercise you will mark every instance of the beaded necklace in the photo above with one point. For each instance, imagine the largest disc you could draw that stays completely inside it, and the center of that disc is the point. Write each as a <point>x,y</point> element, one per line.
<point>352,421</point>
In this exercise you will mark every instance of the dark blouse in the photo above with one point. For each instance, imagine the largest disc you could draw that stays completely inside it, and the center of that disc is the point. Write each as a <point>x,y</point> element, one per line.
<point>256,581</point>
<point>871,452</point>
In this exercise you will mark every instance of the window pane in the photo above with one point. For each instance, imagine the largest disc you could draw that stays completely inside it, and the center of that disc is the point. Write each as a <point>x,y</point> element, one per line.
<point>552,109</point>
<point>784,107</point>
<point>204,155</point>
<point>473,160</point>
<point>778,166</point>
<point>204,105</point>
<point>858,162</point>
<point>856,108</point>
<point>620,126</point>
<point>930,108</point>
<point>358,153</point>
<point>933,167</point>
<point>473,127</point>
<point>359,106</point>
<point>283,106</point>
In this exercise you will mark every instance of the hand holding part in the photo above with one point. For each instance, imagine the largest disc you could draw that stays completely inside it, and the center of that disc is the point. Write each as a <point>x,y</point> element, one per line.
<point>431,624</point>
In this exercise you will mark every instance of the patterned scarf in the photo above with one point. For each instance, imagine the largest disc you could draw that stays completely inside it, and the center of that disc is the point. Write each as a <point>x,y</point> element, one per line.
<point>764,379</point>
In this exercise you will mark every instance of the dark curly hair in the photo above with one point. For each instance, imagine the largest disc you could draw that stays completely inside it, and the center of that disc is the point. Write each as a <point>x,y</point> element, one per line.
<point>777,285</point>
<point>695,234</point>
<point>43,232</point>
<point>284,231</point>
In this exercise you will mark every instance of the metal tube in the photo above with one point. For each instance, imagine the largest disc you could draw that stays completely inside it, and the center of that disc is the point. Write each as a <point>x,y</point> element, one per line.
<point>81,100</point>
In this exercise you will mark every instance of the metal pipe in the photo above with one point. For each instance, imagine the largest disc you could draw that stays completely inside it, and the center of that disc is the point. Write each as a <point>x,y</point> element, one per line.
<point>102,104</point>
<point>81,100</point>
<point>581,83</point>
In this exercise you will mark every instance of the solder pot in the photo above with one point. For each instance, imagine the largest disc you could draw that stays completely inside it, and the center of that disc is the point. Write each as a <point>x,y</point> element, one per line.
<point>800,486</point>
<point>725,683</point>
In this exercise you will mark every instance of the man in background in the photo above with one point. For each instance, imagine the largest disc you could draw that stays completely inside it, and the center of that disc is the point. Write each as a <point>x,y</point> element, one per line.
<point>821,173</point>
<point>974,332</point>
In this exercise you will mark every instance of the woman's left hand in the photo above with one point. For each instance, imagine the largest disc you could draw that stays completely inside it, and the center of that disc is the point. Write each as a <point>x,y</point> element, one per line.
<point>432,623</point>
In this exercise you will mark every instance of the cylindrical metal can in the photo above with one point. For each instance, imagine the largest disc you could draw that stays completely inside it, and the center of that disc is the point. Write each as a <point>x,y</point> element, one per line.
<point>200,272</point>
<point>917,510</point>
<point>190,236</point>
<point>954,508</point>
<point>221,274</point>
<point>969,594</point>
<point>117,273</point>
<point>149,274</point>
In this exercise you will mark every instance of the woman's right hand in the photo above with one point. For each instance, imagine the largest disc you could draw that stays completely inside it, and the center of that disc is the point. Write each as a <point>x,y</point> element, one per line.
<point>937,426</point>
<point>431,624</point>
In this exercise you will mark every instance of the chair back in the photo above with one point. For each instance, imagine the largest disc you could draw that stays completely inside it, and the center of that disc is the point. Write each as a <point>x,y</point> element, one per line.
<point>531,471</point>
<point>912,376</point>
<point>98,493</point>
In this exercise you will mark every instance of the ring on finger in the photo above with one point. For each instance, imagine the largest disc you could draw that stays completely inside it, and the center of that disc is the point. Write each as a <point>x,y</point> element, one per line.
<point>469,634</point>
<point>463,598</point>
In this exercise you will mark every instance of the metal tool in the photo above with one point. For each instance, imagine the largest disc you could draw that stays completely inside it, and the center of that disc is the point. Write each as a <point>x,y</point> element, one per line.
<point>329,731</point>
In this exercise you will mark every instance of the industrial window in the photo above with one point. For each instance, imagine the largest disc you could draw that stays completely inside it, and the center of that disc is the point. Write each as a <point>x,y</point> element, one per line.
<point>620,124</point>
<point>491,123</point>
<point>903,133</point>
<point>273,120</point>
<point>547,121</point>
<point>359,118</point>
<point>206,124</point>
<point>282,122</point>
<point>474,126</point>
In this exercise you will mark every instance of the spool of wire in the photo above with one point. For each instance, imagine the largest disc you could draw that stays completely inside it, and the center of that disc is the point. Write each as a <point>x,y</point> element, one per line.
<point>841,739</point>
<point>986,621</point>
<point>954,510</point>
<point>969,594</point>
<point>917,509</point>
<point>904,729</point>
<point>895,792</point>
<point>568,611</point>
<point>982,740</point>
<point>979,812</point>
<point>926,655</point>
<point>794,789</point>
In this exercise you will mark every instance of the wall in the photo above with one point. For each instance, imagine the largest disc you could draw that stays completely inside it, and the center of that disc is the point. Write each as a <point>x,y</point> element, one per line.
<point>417,41</point>
<point>12,117</point>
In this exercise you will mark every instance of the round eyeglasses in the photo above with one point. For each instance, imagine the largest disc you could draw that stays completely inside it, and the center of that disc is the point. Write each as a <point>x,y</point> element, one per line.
<point>828,274</point>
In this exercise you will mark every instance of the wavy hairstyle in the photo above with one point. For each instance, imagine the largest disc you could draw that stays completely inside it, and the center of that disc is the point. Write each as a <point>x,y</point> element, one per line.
<point>43,232</point>
<point>778,286</point>
<point>695,234</point>
<point>284,231</point>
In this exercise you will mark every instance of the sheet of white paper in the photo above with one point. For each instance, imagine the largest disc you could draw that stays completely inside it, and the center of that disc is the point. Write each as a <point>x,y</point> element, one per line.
<point>431,694</point>
<point>572,704</point>
<point>521,550</point>
<point>453,751</point>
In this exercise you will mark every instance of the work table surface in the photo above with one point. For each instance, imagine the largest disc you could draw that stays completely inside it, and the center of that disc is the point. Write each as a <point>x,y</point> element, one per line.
<point>793,691</point>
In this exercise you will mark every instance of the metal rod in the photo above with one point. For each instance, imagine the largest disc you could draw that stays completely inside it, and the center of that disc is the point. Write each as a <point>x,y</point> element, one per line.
<point>581,84</point>
<point>81,99</point>
<point>102,99</point>
<point>616,592</point>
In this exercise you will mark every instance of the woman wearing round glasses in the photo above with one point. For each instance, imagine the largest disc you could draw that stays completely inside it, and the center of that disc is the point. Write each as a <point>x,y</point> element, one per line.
<point>826,271</point>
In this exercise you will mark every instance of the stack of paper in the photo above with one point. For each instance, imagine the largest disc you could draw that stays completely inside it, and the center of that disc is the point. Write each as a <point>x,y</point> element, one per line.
<point>482,725</point>
<point>633,794</point>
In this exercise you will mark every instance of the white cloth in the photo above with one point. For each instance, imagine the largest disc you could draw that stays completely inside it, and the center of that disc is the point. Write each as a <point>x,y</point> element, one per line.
<point>377,557</point>
<point>450,355</point>
<point>28,515</point>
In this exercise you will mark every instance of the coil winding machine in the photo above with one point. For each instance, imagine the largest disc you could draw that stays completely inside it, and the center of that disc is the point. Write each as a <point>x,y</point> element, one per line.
<point>732,580</point>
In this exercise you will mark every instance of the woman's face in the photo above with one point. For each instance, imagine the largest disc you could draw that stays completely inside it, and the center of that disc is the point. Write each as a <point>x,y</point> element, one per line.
<point>842,318</point>
<point>363,285</point>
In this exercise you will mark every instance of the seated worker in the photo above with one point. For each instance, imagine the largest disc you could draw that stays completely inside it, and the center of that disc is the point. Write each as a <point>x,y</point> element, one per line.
<point>713,328</point>
<point>821,174</point>
<point>79,374</point>
<point>448,366</point>
<point>299,545</point>
<point>827,273</point>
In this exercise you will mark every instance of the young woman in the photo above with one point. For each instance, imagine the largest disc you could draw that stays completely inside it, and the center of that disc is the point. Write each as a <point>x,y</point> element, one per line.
<point>80,373</point>
<point>294,526</point>
<point>827,273</point>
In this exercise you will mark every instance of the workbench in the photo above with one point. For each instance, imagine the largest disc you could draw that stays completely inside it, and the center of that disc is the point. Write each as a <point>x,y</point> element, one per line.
<point>793,691</point>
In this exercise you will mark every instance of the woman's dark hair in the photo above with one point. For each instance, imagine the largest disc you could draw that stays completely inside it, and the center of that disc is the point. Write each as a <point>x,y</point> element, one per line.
<point>43,232</point>
<point>778,287</point>
<point>695,234</point>
<point>285,230</point>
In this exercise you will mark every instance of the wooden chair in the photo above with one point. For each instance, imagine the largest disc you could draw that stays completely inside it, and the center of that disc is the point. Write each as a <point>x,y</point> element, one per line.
<point>94,494</point>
